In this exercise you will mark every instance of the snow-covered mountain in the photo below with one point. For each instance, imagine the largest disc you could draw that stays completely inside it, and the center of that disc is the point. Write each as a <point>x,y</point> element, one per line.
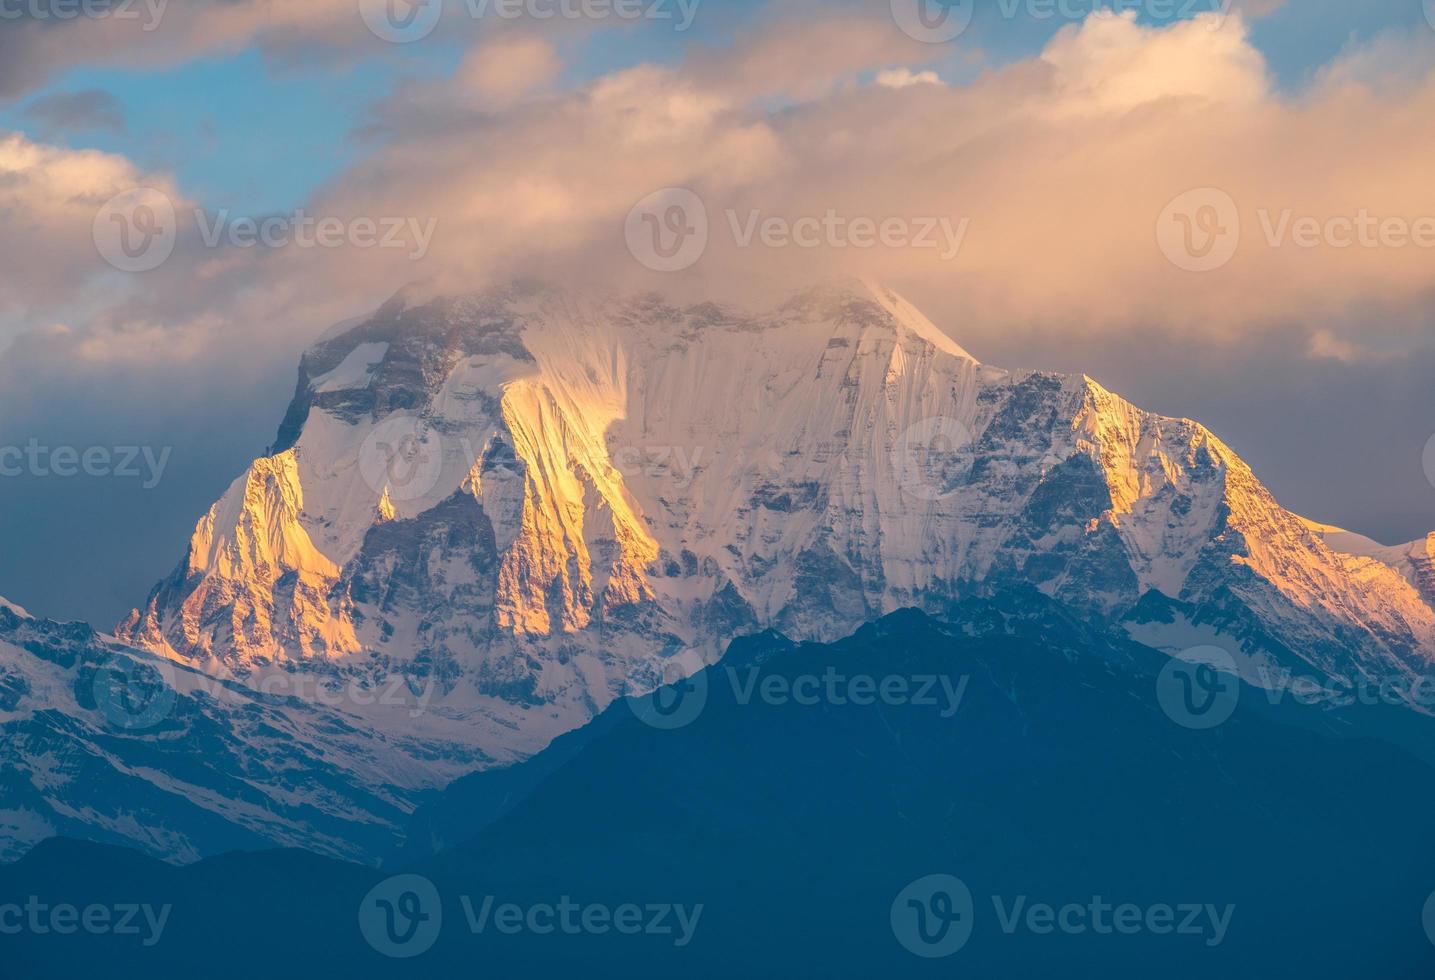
<point>527,503</point>
<point>103,742</point>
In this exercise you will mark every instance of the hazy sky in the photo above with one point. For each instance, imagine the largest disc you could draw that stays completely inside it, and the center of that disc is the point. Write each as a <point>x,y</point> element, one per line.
<point>1059,142</point>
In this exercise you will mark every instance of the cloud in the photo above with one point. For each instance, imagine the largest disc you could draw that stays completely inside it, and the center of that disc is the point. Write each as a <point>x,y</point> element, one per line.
<point>50,196</point>
<point>504,68</point>
<point>905,77</point>
<point>63,112</point>
<point>1107,65</point>
<point>1060,164</point>
<point>156,33</point>
<point>1388,61</point>
<point>1055,168</point>
<point>804,54</point>
<point>38,43</point>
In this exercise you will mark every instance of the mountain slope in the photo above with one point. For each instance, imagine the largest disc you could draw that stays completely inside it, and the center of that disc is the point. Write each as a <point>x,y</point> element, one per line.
<point>1415,560</point>
<point>795,826</point>
<point>538,502</point>
<point>110,744</point>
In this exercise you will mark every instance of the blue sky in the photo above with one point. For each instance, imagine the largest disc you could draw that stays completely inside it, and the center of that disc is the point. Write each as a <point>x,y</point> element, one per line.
<point>261,134</point>
<point>234,132</point>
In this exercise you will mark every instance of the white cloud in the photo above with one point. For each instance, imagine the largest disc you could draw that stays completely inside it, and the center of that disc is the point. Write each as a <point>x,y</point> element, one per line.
<point>905,78</point>
<point>49,197</point>
<point>505,68</point>
<point>1060,164</point>
<point>1111,64</point>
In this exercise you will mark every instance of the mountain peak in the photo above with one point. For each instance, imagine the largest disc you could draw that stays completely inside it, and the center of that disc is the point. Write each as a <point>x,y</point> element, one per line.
<point>525,308</point>
<point>540,500</point>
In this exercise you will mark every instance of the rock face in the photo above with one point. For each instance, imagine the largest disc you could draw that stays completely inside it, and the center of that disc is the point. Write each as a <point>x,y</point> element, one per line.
<point>528,503</point>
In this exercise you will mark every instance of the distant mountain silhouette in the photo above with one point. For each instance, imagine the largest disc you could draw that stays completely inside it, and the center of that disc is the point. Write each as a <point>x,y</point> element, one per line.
<point>796,826</point>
